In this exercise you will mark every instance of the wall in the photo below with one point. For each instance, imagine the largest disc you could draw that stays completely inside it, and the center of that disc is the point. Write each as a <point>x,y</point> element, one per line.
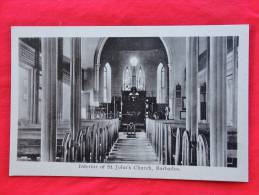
<point>177,46</point>
<point>148,59</point>
<point>89,46</point>
<point>25,97</point>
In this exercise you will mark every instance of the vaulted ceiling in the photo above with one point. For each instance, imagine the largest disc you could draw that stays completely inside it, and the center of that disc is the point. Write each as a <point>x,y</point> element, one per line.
<point>133,43</point>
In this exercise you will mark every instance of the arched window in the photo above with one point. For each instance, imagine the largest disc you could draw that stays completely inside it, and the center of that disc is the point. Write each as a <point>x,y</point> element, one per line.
<point>161,84</point>
<point>127,78</point>
<point>107,83</point>
<point>140,79</point>
<point>163,77</point>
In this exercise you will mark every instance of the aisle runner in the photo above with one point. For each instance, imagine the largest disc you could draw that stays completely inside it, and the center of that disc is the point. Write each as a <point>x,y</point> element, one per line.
<point>135,150</point>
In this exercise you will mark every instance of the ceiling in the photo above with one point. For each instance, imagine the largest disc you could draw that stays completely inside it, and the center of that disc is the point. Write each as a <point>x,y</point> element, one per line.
<point>133,43</point>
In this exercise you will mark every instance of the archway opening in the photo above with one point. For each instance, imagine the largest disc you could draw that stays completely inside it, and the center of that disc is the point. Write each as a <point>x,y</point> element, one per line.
<point>137,89</point>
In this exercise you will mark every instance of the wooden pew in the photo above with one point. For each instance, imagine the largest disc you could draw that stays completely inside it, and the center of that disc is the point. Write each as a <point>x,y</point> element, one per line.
<point>93,142</point>
<point>232,147</point>
<point>165,137</point>
<point>203,140</point>
<point>29,141</point>
<point>171,142</point>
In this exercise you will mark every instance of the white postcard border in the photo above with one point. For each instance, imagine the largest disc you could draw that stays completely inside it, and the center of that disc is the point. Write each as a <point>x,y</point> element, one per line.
<point>176,172</point>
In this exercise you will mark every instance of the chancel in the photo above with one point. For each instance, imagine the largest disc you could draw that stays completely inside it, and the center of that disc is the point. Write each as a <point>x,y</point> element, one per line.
<point>136,100</point>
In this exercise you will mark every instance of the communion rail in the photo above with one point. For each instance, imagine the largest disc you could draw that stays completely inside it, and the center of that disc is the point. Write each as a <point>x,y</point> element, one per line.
<point>172,144</point>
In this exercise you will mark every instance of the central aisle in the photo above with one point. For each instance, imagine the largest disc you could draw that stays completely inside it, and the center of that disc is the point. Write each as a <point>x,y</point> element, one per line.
<point>135,150</point>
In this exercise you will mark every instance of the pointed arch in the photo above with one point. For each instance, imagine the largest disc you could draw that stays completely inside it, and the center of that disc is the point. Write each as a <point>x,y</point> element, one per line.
<point>99,49</point>
<point>140,79</point>
<point>127,78</point>
<point>101,43</point>
<point>161,83</point>
<point>107,83</point>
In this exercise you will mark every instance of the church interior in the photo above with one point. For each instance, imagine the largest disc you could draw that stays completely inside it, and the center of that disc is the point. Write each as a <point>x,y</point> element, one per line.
<point>148,100</point>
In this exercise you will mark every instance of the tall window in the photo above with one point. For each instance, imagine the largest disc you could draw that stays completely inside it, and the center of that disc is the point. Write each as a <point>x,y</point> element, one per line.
<point>163,77</point>
<point>161,84</point>
<point>107,83</point>
<point>140,79</point>
<point>127,79</point>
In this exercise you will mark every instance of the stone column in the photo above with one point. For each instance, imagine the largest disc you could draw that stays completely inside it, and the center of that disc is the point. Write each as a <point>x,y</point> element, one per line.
<point>36,81</point>
<point>191,93</point>
<point>75,84</point>
<point>217,93</point>
<point>235,73</point>
<point>171,92</point>
<point>208,81</point>
<point>49,99</point>
<point>60,80</point>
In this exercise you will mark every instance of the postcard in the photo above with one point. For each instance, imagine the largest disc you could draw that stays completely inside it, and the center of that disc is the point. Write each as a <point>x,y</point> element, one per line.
<point>166,102</point>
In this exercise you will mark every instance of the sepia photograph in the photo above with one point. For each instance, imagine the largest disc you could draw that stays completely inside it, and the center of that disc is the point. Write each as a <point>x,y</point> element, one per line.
<point>141,102</point>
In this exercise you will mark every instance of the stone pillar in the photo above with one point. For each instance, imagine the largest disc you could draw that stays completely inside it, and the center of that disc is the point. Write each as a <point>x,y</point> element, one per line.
<point>171,92</point>
<point>208,81</point>
<point>60,80</point>
<point>49,99</point>
<point>75,84</point>
<point>235,73</point>
<point>191,93</point>
<point>36,82</point>
<point>217,93</point>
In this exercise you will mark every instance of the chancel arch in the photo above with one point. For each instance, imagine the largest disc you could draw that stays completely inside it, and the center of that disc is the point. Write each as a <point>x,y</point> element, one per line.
<point>97,63</point>
<point>134,62</point>
<point>140,82</point>
<point>100,46</point>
